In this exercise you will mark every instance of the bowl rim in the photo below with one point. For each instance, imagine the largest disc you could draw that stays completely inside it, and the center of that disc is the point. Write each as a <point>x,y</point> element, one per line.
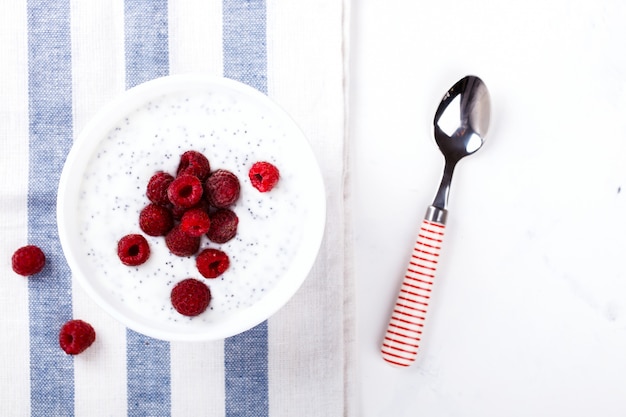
<point>69,184</point>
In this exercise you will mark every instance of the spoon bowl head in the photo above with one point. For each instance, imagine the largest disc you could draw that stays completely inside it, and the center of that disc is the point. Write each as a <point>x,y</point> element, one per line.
<point>462,118</point>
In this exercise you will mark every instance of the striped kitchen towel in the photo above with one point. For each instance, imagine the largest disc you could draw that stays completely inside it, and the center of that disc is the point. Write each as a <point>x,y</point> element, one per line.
<point>61,60</point>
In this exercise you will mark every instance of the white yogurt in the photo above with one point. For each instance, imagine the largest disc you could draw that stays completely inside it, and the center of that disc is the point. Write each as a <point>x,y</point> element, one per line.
<point>232,134</point>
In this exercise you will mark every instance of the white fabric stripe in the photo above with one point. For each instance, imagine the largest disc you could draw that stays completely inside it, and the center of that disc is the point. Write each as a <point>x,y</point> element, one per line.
<point>15,377</point>
<point>195,36</point>
<point>197,379</point>
<point>303,368</point>
<point>197,369</point>
<point>351,381</point>
<point>98,75</point>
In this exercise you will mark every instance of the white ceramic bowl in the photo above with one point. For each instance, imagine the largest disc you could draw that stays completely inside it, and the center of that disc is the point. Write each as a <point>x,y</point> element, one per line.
<point>102,190</point>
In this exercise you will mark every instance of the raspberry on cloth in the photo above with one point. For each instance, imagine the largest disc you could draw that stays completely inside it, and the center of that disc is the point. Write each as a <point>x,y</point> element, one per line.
<point>28,260</point>
<point>76,336</point>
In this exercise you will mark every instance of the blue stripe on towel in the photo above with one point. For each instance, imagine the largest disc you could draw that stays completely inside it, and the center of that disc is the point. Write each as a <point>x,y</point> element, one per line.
<point>147,57</point>
<point>246,354</point>
<point>148,368</point>
<point>245,47</point>
<point>50,135</point>
<point>146,33</point>
<point>246,381</point>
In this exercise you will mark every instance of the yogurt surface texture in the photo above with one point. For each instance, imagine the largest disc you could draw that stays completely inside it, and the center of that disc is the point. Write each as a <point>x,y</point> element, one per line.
<point>272,248</point>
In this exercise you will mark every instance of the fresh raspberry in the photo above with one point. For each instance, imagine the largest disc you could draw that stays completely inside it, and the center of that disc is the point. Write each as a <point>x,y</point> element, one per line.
<point>212,263</point>
<point>190,297</point>
<point>180,243</point>
<point>155,220</point>
<point>28,260</point>
<point>76,336</point>
<point>194,163</point>
<point>223,226</point>
<point>195,222</point>
<point>156,191</point>
<point>263,176</point>
<point>178,212</point>
<point>185,191</point>
<point>222,188</point>
<point>133,250</point>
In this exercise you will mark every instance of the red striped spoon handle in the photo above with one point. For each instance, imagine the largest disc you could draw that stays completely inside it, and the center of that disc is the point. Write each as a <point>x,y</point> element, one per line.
<point>404,332</point>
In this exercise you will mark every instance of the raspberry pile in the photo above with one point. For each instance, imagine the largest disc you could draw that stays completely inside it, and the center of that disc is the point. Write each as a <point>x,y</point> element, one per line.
<point>185,207</point>
<point>182,209</point>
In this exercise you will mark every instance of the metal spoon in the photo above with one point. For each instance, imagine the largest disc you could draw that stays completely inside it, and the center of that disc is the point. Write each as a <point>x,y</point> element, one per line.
<point>460,125</point>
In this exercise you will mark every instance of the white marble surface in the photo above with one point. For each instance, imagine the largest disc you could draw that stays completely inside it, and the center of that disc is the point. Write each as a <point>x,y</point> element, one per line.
<point>529,315</point>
